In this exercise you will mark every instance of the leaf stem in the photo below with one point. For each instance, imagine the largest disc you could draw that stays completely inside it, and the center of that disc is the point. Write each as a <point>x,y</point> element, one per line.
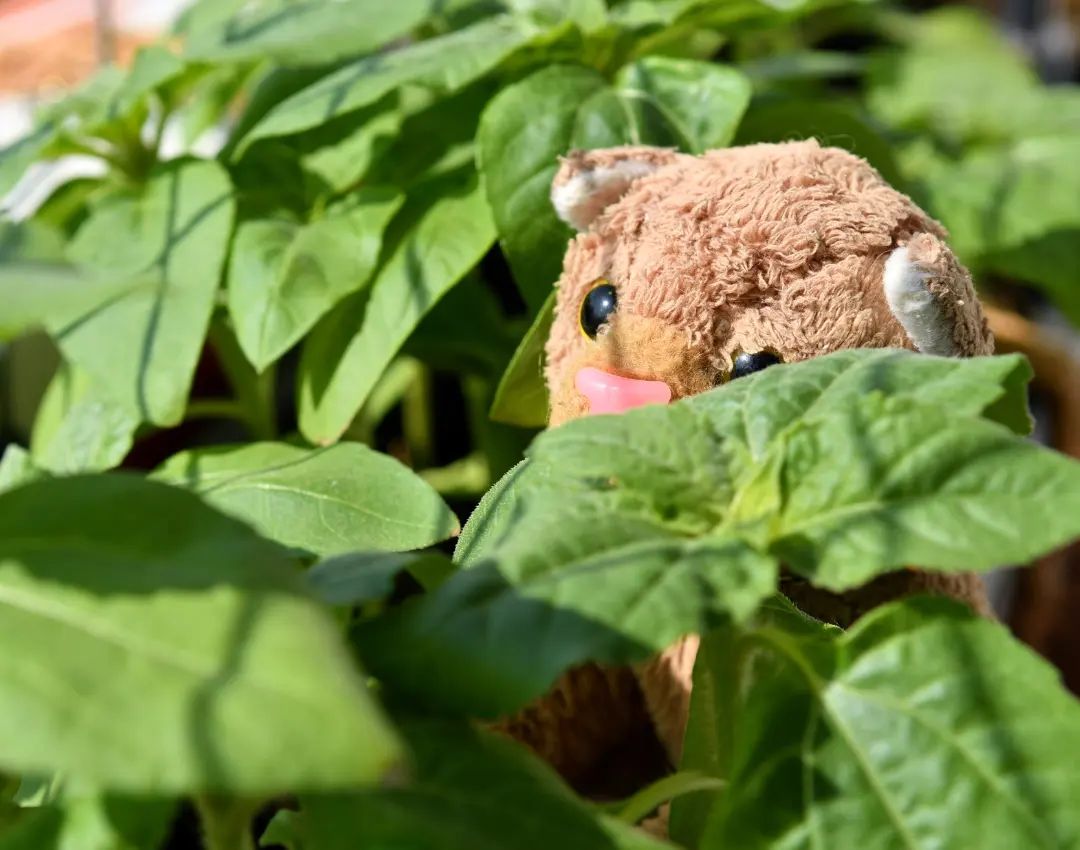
<point>215,408</point>
<point>226,822</point>
<point>663,790</point>
<point>254,391</point>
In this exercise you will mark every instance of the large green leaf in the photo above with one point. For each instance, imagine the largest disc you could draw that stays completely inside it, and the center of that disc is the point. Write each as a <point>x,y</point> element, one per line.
<point>684,467</point>
<point>141,346</point>
<point>586,14</point>
<point>924,482</point>
<point>495,636</point>
<point>917,487</point>
<point>443,231</point>
<point>315,32</point>
<point>470,789</point>
<point>358,577</point>
<point>623,532</point>
<point>327,501</point>
<point>284,276</point>
<point>340,154</point>
<point>35,292</point>
<point>446,63</point>
<point>151,645</point>
<point>522,396</point>
<point>17,468</point>
<point>924,726</point>
<point>666,102</point>
<point>545,109</point>
<point>36,282</point>
<point>77,429</point>
<point>30,240</point>
<point>703,101</point>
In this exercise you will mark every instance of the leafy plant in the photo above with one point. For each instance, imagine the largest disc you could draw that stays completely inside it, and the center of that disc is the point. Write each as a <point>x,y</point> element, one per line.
<point>300,339</point>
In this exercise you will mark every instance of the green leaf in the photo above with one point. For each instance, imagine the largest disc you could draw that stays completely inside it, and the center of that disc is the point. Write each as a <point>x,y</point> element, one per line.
<point>284,830</point>
<point>436,136</point>
<point>20,154</point>
<point>141,346</point>
<point>588,15</point>
<point>917,487</point>
<point>547,109</point>
<point>315,32</point>
<point>1014,210</point>
<point>442,232</point>
<point>341,157</point>
<point>29,241</point>
<point>445,63</point>
<point>624,532</point>
<point>657,101</point>
<point>498,634</point>
<point>17,468</point>
<point>718,732</point>
<point>924,726</point>
<point>354,578</point>
<point>924,481</point>
<point>327,501</point>
<point>77,429</point>
<point>34,293</point>
<point>105,822</point>
<point>283,276</point>
<point>489,520</point>
<point>471,789</point>
<point>142,634</point>
<point>684,467</point>
<point>522,396</point>
<point>704,101</point>
<point>958,78</point>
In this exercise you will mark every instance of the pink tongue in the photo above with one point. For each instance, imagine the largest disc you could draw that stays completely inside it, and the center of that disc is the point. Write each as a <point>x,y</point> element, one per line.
<point>609,393</point>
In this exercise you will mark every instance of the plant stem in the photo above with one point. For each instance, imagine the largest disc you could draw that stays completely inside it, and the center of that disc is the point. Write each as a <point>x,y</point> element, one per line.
<point>226,822</point>
<point>416,420</point>
<point>215,408</point>
<point>254,392</point>
<point>663,790</point>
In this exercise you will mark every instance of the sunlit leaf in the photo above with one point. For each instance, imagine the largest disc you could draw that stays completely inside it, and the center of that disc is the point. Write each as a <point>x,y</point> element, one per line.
<point>338,499</point>
<point>144,633</point>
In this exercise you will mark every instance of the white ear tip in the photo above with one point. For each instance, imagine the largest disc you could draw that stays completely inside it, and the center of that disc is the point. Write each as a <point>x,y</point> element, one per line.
<point>580,199</point>
<point>915,306</point>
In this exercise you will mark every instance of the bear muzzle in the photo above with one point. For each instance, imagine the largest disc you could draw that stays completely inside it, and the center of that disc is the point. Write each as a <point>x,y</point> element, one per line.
<point>610,393</point>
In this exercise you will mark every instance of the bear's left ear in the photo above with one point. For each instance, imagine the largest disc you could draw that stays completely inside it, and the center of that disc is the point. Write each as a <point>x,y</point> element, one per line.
<point>933,299</point>
<point>589,181</point>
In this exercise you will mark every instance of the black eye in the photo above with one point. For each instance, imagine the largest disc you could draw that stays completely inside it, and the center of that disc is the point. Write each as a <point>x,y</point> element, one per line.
<point>747,364</point>
<point>598,304</point>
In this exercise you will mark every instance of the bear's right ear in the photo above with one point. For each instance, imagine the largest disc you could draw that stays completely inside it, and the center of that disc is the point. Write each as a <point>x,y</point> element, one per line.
<point>589,181</point>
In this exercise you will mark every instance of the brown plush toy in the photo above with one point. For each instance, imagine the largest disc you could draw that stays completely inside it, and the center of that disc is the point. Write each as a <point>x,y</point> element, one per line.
<point>689,271</point>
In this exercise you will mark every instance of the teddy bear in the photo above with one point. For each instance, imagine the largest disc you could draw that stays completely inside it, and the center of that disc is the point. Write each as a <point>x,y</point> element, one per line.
<point>691,271</point>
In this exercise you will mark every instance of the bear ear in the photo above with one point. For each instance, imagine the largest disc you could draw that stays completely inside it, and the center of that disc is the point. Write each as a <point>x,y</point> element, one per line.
<point>932,297</point>
<point>589,181</point>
